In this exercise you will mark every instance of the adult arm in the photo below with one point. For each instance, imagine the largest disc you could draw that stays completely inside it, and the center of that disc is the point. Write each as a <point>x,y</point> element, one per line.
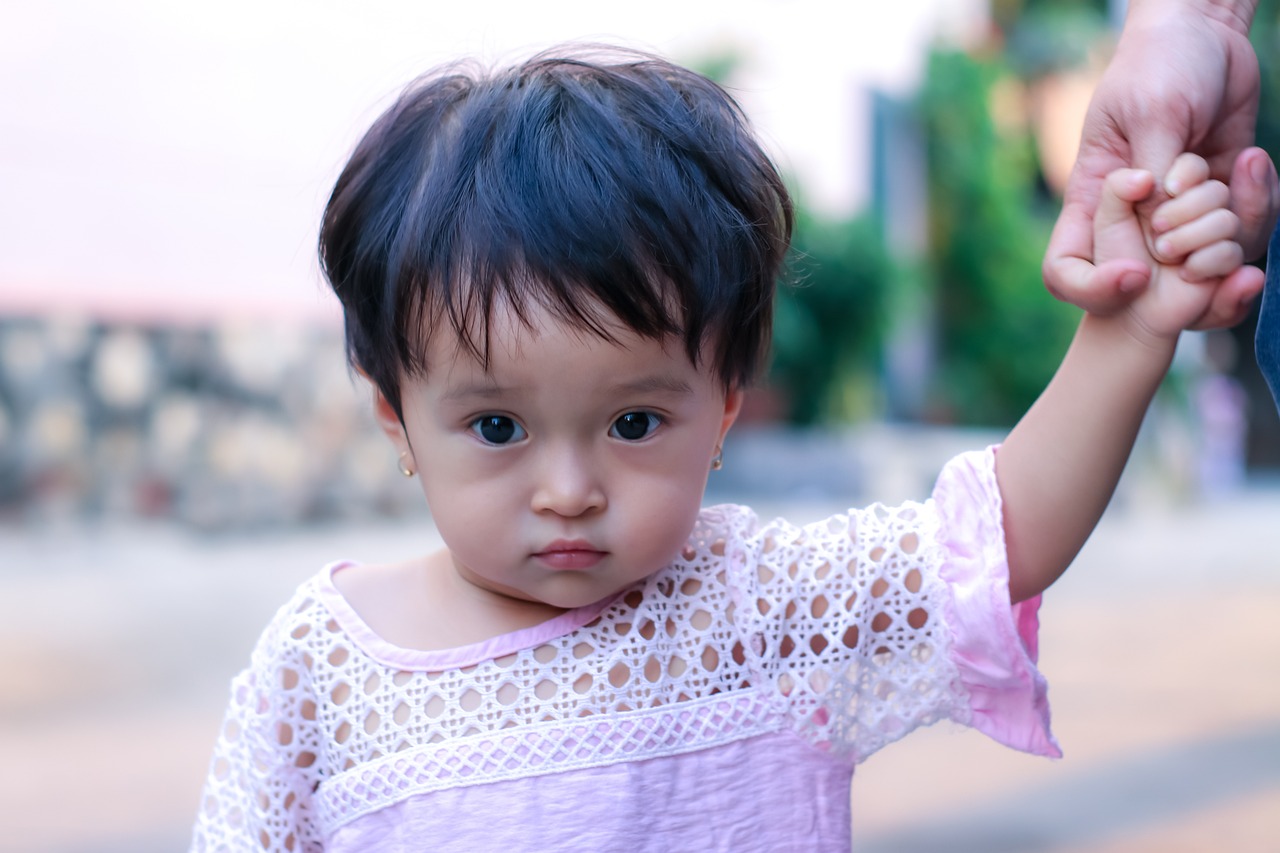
<point>1184,77</point>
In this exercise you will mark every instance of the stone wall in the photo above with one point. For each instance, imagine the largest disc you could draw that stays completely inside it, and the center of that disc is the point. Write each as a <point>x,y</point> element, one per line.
<point>255,424</point>
<point>230,425</point>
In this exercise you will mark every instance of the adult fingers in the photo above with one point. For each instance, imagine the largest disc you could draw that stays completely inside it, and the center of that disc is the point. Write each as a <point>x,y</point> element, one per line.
<point>1255,198</point>
<point>1157,143</point>
<point>1232,299</point>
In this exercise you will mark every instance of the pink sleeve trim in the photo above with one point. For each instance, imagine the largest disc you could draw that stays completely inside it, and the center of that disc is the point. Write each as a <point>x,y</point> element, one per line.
<point>995,645</point>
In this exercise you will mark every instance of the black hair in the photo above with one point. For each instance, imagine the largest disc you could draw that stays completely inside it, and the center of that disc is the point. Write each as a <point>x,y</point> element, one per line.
<point>594,181</point>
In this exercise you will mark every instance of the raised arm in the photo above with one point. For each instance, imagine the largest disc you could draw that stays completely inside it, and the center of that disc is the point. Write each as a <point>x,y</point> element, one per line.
<point>1060,465</point>
<point>1184,77</point>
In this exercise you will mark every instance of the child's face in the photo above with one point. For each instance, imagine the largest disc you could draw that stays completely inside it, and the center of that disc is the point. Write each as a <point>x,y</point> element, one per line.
<point>572,467</point>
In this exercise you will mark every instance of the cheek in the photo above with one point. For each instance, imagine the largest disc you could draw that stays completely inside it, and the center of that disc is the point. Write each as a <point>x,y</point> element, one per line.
<point>661,508</point>
<point>468,506</point>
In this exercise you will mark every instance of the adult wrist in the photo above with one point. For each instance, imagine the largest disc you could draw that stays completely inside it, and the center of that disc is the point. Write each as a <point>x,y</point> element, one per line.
<point>1236,14</point>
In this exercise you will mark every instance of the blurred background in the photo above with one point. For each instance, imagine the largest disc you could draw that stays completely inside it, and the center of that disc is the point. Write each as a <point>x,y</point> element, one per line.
<point>181,442</point>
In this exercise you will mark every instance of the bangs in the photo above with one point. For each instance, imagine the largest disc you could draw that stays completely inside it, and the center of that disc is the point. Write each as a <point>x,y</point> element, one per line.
<point>629,193</point>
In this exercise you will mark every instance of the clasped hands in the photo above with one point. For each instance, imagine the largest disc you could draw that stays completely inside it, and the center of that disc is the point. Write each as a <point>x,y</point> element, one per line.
<point>1176,84</point>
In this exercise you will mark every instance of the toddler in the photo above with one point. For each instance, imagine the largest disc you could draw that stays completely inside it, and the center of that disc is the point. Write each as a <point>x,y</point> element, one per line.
<point>558,280</point>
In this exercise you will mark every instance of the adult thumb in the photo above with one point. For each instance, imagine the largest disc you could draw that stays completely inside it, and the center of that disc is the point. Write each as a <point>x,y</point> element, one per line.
<point>1255,199</point>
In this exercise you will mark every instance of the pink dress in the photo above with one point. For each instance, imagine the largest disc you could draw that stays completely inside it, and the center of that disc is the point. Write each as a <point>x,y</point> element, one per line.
<point>721,704</point>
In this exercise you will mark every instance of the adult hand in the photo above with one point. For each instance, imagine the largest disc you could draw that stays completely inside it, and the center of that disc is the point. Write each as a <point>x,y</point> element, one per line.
<point>1182,79</point>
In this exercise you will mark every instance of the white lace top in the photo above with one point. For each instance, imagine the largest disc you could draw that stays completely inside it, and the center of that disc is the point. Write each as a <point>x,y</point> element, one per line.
<point>720,704</point>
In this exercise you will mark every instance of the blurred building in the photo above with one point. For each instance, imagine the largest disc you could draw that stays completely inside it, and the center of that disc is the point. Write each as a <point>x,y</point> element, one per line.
<point>167,346</point>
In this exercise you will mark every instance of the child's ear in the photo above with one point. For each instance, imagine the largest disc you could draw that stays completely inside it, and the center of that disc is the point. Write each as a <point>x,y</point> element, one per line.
<point>732,407</point>
<point>385,415</point>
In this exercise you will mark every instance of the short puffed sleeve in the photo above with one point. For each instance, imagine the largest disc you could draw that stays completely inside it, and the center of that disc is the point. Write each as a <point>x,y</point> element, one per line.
<point>871,623</point>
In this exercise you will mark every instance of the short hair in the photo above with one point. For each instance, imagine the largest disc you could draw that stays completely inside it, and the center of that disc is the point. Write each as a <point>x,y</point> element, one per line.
<point>589,179</point>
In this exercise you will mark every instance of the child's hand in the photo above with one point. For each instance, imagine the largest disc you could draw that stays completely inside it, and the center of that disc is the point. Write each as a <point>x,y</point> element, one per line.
<point>1196,224</point>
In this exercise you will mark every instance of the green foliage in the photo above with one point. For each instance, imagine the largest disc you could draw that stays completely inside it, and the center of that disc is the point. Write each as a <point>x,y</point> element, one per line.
<point>828,320</point>
<point>720,65</point>
<point>829,311</point>
<point>1053,35</point>
<point>1266,42</point>
<point>1000,334</point>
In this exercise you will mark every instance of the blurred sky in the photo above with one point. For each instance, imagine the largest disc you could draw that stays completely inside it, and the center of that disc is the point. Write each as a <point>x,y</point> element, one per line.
<point>170,160</point>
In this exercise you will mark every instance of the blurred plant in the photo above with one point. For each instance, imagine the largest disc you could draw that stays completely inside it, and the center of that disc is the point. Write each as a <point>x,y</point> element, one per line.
<point>1006,13</point>
<point>1000,334</point>
<point>1266,43</point>
<point>829,312</point>
<point>1050,35</point>
<point>828,320</point>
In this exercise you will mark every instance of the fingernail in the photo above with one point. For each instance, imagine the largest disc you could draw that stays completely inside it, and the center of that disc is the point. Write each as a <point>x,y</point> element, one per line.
<point>1259,170</point>
<point>1164,247</point>
<point>1172,186</point>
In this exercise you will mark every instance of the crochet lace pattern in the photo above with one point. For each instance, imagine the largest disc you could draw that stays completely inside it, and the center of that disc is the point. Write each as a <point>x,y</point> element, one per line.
<point>837,631</point>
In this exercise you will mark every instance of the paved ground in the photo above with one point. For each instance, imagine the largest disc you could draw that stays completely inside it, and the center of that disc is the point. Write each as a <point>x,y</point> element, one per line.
<point>1161,648</point>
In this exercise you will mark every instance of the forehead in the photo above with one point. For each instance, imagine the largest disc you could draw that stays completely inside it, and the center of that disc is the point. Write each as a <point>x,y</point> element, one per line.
<point>536,347</point>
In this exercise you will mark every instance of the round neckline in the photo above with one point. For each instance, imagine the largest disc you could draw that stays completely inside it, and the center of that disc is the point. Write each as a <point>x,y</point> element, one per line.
<point>390,654</point>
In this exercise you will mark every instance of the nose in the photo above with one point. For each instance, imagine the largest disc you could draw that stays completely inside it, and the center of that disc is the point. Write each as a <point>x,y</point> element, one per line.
<point>567,483</point>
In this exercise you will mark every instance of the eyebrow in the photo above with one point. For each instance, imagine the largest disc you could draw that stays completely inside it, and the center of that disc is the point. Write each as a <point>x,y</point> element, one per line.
<point>483,392</point>
<point>657,383</point>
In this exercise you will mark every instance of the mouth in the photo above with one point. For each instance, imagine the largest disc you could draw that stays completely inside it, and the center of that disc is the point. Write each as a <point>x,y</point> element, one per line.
<point>570,555</point>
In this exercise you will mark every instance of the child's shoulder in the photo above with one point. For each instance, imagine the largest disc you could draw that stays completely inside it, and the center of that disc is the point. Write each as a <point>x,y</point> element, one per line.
<point>389,597</point>
<point>965,498</point>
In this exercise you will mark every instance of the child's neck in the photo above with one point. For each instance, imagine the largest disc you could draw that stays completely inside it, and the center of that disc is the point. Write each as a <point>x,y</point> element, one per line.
<point>424,604</point>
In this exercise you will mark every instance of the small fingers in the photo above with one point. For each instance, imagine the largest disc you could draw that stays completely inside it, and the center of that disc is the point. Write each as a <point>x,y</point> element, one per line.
<point>1127,185</point>
<point>1065,269</point>
<point>1213,261</point>
<point>1187,171</point>
<point>1102,290</point>
<point>1218,225</point>
<point>1182,183</point>
<point>1192,203</point>
<point>1120,191</point>
<point>1069,272</point>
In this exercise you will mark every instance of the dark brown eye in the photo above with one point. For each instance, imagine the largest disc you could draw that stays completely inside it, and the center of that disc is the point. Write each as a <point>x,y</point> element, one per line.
<point>634,426</point>
<point>497,429</point>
